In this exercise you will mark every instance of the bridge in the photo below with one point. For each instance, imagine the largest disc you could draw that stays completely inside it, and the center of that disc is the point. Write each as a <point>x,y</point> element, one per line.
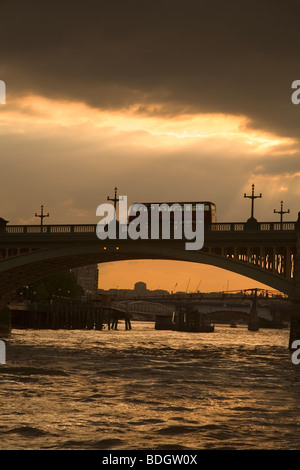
<point>143,308</point>
<point>268,252</point>
<point>270,312</point>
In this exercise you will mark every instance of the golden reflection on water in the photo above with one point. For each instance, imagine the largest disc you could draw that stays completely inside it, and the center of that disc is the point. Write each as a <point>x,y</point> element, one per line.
<point>139,388</point>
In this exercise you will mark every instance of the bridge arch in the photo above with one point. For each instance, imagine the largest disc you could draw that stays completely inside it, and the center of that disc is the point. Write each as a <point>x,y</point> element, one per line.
<point>26,268</point>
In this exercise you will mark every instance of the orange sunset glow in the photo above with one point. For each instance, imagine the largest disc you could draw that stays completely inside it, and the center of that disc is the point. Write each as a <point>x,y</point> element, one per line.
<point>137,137</point>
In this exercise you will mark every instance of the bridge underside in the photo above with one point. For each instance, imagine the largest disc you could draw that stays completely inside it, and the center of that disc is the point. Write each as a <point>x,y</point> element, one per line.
<point>23,269</point>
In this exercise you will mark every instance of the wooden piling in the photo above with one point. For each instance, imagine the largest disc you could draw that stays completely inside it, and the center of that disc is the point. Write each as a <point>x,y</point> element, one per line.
<point>67,315</point>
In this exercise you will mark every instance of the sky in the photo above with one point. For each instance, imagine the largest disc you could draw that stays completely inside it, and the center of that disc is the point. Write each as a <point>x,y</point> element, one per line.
<point>166,100</point>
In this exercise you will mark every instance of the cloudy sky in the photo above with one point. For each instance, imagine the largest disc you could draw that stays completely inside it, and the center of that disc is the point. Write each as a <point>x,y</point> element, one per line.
<point>167,100</point>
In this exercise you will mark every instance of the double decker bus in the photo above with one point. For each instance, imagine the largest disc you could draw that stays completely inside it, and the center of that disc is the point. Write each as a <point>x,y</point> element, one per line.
<point>210,213</point>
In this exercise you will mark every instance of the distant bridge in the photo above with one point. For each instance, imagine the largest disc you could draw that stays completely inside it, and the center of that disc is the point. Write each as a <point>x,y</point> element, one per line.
<point>266,308</point>
<point>143,308</point>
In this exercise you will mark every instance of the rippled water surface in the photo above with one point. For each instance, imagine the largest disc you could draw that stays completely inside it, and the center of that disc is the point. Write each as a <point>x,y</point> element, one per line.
<point>149,389</point>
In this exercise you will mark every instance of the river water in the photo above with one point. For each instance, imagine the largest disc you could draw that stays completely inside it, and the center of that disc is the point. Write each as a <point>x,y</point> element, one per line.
<point>148,389</point>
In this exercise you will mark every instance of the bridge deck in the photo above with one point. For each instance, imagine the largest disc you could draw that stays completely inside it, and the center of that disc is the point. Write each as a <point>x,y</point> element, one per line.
<point>265,252</point>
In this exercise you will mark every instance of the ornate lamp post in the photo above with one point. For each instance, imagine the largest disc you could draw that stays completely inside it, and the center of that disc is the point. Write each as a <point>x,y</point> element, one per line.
<point>281,212</point>
<point>252,197</point>
<point>42,215</point>
<point>114,199</point>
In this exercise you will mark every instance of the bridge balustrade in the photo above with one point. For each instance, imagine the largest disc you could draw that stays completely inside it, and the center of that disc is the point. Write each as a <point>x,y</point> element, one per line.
<point>60,228</point>
<point>15,229</point>
<point>239,227</point>
<point>49,229</point>
<point>91,228</point>
<point>85,229</point>
<point>284,226</point>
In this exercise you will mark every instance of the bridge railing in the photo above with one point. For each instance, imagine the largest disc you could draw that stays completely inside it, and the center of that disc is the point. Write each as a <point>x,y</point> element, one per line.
<point>262,226</point>
<point>31,229</point>
<point>91,228</point>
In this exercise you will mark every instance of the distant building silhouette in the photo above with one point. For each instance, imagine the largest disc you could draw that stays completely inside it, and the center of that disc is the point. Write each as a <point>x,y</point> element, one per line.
<point>140,288</point>
<point>87,278</point>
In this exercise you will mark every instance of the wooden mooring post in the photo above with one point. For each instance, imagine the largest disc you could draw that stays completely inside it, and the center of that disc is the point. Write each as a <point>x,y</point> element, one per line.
<point>113,317</point>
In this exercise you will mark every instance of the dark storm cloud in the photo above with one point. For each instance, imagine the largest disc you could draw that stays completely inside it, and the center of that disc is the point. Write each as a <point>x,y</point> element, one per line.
<point>229,56</point>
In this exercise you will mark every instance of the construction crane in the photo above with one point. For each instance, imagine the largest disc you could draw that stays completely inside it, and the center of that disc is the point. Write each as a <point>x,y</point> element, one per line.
<point>196,290</point>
